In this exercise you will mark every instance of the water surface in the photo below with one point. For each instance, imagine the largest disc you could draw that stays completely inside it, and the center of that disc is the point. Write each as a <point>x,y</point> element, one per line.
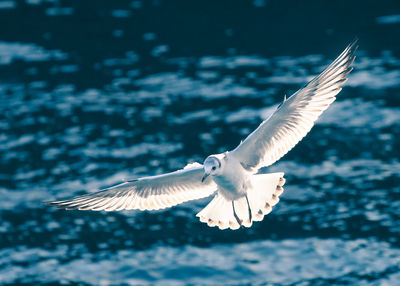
<point>98,92</point>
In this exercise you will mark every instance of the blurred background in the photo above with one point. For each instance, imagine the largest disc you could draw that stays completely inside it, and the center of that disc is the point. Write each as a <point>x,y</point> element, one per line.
<point>95,92</point>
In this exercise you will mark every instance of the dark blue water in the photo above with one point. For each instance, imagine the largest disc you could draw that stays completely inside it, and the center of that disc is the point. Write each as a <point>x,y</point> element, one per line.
<point>95,92</point>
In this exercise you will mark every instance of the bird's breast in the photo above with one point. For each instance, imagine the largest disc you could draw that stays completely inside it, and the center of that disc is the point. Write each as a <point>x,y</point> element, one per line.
<point>232,182</point>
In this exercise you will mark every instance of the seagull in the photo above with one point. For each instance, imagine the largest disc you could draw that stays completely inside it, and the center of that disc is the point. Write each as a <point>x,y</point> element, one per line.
<point>242,194</point>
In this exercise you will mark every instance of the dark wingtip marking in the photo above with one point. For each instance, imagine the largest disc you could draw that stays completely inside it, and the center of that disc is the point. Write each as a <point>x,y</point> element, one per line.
<point>48,203</point>
<point>57,204</point>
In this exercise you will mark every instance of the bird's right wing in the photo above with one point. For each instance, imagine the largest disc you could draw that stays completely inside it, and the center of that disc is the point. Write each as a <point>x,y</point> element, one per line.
<point>295,116</point>
<point>148,193</point>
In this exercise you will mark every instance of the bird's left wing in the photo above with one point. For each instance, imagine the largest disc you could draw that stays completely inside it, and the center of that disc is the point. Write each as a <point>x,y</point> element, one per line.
<point>148,193</point>
<point>295,116</point>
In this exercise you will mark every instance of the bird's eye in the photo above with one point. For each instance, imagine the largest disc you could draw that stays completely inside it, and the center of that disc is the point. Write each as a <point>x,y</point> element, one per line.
<point>213,168</point>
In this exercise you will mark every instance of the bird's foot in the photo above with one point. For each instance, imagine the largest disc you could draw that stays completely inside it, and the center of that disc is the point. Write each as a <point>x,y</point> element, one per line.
<point>235,215</point>
<point>248,205</point>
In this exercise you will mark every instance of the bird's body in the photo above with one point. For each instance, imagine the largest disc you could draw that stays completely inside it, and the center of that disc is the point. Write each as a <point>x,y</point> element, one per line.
<point>233,180</point>
<point>242,195</point>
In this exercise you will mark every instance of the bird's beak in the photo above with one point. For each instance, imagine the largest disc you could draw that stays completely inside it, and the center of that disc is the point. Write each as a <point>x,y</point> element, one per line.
<point>204,177</point>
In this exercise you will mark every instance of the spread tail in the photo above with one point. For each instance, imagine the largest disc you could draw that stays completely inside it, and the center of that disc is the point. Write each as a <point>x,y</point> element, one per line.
<point>253,207</point>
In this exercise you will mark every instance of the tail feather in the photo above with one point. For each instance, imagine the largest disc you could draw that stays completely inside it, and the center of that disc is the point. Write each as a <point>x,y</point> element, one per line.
<point>262,197</point>
<point>219,213</point>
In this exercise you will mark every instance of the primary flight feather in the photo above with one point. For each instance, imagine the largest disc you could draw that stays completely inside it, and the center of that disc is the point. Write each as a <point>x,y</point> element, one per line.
<point>242,196</point>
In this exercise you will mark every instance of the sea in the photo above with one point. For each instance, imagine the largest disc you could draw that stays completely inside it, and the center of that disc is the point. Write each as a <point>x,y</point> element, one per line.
<point>94,93</point>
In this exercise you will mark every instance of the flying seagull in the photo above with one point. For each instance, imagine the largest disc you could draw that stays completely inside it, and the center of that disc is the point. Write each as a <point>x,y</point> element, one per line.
<point>241,194</point>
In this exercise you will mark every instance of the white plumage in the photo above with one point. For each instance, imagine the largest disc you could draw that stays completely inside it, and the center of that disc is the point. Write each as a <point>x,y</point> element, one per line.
<point>147,193</point>
<point>296,116</point>
<point>242,195</point>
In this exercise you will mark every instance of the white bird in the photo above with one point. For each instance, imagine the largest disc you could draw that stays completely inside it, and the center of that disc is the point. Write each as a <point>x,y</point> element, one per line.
<point>242,196</point>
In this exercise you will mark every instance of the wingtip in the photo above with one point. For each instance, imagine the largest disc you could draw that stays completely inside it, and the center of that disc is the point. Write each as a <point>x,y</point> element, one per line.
<point>54,204</point>
<point>49,203</point>
<point>353,46</point>
<point>347,57</point>
<point>354,41</point>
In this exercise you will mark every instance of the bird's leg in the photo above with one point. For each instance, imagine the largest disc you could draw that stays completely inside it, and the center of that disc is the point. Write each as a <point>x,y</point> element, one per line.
<point>248,205</point>
<point>235,215</point>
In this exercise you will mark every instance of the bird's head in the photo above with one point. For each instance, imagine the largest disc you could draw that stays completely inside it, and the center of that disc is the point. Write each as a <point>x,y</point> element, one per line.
<point>212,166</point>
